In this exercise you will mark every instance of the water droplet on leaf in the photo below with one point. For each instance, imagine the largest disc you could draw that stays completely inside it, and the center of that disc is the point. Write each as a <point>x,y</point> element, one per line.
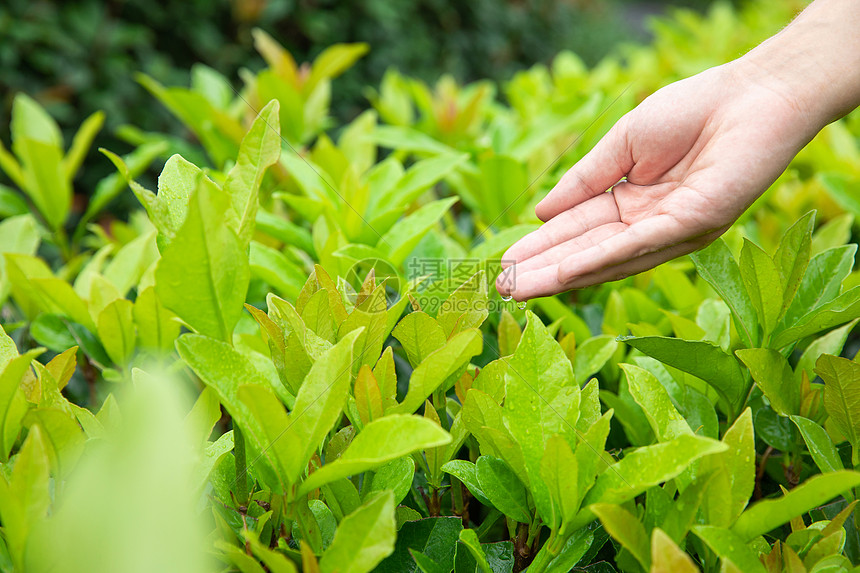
<point>521,305</point>
<point>507,298</point>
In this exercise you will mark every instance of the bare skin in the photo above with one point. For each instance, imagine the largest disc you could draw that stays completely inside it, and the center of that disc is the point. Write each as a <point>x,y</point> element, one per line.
<point>693,156</point>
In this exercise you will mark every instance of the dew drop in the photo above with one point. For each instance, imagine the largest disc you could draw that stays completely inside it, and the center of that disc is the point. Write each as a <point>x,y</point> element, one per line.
<point>507,298</point>
<point>521,305</point>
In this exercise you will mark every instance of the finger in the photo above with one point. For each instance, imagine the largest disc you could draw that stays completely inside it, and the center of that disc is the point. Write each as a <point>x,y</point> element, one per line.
<point>597,171</point>
<point>554,255</point>
<point>507,281</point>
<point>540,282</point>
<point>648,236</point>
<point>636,266</point>
<point>537,283</point>
<point>572,223</point>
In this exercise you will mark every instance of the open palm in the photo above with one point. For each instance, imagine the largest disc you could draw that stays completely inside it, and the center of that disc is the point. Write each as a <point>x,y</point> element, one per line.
<point>682,167</point>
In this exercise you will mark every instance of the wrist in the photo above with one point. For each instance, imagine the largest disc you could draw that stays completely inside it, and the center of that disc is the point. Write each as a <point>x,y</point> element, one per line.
<point>813,64</point>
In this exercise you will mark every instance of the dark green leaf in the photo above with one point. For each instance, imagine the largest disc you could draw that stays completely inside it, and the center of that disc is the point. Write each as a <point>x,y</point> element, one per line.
<point>502,488</point>
<point>703,359</point>
<point>363,538</point>
<point>435,537</point>
<point>717,266</point>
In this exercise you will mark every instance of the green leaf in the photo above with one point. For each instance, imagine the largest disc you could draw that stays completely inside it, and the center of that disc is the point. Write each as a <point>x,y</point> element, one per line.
<point>699,358</point>
<point>626,529</point>
<point>469,540</point>
<point>842,395</point>
<point>371,315</point>
<point>666,422</point>
<point>831,343</point>
<point>285,231</point>
<point>440,366</point>
<point>765,515</point>
<point>275,561</point>
<point>542,400</point>
<point>420,335</point>
<point>667,557</point>
<point>131,261</point>
<point>763,284</point>
<point>503,181</point>
<point>589,453</point>
<point>773,374</point>
<point>273,267</point>
<point>466,307</point>
<point>717,266</point>
<point>380,442</point>
<point>509,333</point>
<point>819,444</point>
<point>260,148</point>
<point>436,538</point>
<point>734,473</point>
<point>396,476</point>
<point>11,202</point>
<point>341,497</point>
<point>399,241</point>
<point>332,62</point>
<point>822,281</point>
<point>157,328</point>
<point>839,186</point>
<point>19,234</point>
<point>81,143</point>
<point>649,466</point>
<point>559,471</point>
<point>729,546</point>
<point>503,489</point>
<point>467,473</point>
<point>499,556</point>
<point>109,187</point>
<point>408,139</point>
<point>13,404</point>
<point>420,177</point>
<point>425,564</point>
<point>176,185</point>
<point>319,404</point>
<point>116,331</point>
<point>792,257</point>
<point>37,142</point>
<point>834,233</point>
<point>203,274</point>
<point>592,355</point>
<point>776,431</point>
<point>842,309</point>
<point>494,246</point>
<point>25,499</point>
<point>363,538</point>
<point>63,437</point>
<point>224,369</point>
<point>58,296</point>
<point>10,199</point>
<point>581,546</point>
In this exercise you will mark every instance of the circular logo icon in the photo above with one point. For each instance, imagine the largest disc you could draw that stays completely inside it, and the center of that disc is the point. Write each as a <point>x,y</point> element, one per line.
<point>383,273</point>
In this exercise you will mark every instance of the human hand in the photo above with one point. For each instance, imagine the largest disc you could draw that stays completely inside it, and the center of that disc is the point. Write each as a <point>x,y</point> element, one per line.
<point>695,155</point>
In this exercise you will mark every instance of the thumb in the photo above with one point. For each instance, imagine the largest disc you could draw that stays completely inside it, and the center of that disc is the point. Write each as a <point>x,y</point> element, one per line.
<point>597,171</point>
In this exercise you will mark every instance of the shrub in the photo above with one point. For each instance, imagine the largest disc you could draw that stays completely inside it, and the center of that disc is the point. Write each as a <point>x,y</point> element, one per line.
<point>290,358</point>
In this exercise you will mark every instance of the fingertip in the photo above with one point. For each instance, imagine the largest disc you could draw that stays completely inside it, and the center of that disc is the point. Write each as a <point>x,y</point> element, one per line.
<point>504,284</point>
<point>542,213</point>
<point>507,260</point>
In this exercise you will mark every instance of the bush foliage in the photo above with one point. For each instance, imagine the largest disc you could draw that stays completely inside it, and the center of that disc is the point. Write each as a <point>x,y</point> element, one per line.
<point>290,358</point>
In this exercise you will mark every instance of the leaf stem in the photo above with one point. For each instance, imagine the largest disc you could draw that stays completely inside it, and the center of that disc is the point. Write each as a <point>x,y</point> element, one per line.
<point>241,466</point>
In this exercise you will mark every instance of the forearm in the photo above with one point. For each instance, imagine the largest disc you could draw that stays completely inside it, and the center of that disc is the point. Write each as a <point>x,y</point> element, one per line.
<point>815,61</point>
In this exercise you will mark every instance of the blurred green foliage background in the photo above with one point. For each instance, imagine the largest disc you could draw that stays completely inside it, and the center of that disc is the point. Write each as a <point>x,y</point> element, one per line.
<point>79,56</point>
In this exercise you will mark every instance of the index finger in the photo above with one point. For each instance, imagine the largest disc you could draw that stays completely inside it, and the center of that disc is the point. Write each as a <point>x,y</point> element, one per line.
<point>601,168</point>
